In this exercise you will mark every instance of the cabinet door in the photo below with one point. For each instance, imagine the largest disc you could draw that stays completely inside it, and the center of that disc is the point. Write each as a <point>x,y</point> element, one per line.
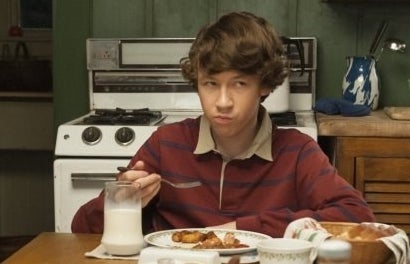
<point>347,149</point>
<point>385,184</point>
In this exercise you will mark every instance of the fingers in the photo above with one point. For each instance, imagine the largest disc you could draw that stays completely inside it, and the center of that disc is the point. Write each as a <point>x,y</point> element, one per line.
<point>132,175</point>
<point>149,183</point>
<point>139,165</point>
<point>150,186</point>
<point>148,195</point>
<point>122,193</point>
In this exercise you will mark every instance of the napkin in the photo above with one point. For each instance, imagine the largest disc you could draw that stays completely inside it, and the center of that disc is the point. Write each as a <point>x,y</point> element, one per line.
<point>332,106</point>
<point>398,243</point>
<point>101,253</point>
<point>309,229</point>
<point>156,255</point>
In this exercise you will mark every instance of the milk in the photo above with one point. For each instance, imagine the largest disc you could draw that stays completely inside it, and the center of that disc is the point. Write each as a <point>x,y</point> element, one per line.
<point>122,231</point>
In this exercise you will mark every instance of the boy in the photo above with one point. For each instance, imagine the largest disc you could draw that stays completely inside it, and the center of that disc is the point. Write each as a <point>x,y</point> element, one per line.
<point>254,175</point>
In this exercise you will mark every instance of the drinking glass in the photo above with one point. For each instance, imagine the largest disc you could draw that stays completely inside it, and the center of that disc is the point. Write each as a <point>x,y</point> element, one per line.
<point>122,219</point>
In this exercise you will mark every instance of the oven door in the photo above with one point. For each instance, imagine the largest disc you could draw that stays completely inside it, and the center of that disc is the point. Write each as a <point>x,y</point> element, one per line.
<point>76,181</point>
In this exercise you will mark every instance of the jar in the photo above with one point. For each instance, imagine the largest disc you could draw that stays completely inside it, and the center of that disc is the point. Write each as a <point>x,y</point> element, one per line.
<point>361,81</point>
<point>334,251</point>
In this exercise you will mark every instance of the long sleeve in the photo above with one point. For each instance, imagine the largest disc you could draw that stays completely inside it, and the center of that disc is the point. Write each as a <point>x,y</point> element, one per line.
<point>319,193</point>
<point>260,195</point>
<point>90,217</point>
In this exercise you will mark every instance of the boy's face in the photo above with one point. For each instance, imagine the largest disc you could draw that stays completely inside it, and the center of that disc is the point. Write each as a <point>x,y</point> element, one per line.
<point>230,100</point>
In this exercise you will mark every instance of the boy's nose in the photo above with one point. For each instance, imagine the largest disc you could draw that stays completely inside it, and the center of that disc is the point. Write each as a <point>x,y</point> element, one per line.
<point>224,98</point>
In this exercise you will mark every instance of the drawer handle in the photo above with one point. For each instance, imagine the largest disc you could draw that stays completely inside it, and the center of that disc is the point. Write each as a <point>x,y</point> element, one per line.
<point>97,177</point>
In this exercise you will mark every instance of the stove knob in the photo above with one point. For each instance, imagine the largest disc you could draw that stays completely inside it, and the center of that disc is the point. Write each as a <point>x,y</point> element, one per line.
<point>124,136</point>
<point>91,135</point>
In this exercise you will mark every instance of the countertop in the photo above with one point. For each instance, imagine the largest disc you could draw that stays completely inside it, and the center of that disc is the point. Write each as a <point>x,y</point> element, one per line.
<point>377,124</point>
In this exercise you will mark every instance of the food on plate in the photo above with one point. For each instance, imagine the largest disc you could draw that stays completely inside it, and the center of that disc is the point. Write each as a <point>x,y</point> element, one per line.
<point>208,240</point>
<point>186,236</point>
<point>367,232</point>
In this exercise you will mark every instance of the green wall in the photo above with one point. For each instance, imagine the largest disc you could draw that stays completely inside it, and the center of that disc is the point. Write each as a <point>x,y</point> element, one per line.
<point>341,29</point>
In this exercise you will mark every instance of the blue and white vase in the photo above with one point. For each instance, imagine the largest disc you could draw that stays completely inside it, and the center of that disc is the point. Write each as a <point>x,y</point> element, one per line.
<point>361,83</point>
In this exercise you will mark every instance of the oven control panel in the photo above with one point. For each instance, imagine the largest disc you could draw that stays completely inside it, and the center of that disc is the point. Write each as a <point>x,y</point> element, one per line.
<point>136,54</point>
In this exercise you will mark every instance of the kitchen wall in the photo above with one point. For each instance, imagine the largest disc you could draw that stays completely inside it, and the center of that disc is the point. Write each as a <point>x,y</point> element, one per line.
<point>25,111</point>
<point>29,116</point>
<point>26,142</point>
<point>26,190</point>
<point>341,29</point>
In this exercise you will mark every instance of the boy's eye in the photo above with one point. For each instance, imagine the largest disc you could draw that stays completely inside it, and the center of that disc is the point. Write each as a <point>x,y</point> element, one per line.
<point>240,83</point>
<point>209,83</point>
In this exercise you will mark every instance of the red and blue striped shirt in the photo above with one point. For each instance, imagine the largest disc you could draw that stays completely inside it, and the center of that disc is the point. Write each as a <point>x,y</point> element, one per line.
<point>262,192</point>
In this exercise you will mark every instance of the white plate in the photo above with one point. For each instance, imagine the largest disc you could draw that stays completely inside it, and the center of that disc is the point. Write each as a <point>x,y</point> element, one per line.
<point>164,239</point>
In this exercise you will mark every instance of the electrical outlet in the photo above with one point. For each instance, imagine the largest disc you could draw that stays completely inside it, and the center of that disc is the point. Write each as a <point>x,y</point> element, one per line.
<point>104,52</point>
<point>108,54</point>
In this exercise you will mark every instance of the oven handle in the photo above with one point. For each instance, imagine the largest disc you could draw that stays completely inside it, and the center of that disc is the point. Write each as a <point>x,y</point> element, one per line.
<point>93,177</point>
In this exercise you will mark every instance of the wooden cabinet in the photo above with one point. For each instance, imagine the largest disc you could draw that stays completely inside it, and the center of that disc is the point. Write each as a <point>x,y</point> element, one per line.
<point>380,168</point>
<point>373,154</point>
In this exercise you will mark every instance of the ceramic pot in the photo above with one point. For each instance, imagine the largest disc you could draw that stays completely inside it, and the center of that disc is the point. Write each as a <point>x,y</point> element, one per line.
<point>361,83</point>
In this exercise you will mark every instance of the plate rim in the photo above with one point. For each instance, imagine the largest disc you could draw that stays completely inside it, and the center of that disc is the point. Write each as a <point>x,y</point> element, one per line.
<point>219,230</point>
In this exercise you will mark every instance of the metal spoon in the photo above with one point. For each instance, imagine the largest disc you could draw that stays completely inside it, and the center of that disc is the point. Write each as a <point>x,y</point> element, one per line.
<point>377,38</point>
<point>392,44</point>
<point>395,45</point>
<point>181,185</point>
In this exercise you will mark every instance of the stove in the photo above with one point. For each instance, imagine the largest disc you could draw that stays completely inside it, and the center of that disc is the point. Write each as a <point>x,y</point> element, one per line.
<point>135,85</point>
<point>119,116</point>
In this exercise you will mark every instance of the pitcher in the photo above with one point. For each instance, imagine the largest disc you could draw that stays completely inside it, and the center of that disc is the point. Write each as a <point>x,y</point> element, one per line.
<point>122,219</point>
<point>361,83</point>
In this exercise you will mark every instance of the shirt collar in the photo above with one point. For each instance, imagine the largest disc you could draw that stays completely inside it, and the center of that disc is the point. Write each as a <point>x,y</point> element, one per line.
<point>261,145</point>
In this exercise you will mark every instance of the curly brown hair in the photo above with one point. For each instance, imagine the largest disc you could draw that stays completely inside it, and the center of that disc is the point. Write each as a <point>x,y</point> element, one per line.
<point>237,41</point>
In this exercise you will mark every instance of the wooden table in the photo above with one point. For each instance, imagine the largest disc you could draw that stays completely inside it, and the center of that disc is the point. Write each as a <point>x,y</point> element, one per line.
<point>65,248</point>
<point>60,248</point>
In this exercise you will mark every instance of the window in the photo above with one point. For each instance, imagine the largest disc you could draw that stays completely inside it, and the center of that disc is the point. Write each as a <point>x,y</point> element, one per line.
<point>34,17</point>
<point>36,14</point>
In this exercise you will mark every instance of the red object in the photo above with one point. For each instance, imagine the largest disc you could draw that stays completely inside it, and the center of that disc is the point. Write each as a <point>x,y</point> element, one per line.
<point>260,195</point>
<point>15,31</point>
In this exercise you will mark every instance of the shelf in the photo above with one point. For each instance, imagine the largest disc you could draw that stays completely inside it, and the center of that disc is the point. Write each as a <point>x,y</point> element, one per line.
<point>365,1</point>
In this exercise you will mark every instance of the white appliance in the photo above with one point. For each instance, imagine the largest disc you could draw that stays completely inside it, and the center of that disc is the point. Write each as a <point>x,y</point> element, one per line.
<point>135,85</point>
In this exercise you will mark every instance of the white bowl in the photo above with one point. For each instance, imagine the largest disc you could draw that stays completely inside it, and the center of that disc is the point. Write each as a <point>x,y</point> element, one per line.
<point>286,251</point>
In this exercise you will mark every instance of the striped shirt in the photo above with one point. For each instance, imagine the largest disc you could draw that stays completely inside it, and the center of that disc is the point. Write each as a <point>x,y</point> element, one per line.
<point>282,177</point>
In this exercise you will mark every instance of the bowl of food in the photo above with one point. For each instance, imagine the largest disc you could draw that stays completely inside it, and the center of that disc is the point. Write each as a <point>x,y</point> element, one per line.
<point>363,238</point>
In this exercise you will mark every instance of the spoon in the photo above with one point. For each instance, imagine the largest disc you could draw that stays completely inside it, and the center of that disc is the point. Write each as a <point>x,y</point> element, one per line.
<point>377,38</point>
<point>181,185</point>
<point>393,44</point>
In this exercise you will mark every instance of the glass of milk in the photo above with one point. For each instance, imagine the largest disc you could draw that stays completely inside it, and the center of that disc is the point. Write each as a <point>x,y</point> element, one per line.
<point>122,219</point>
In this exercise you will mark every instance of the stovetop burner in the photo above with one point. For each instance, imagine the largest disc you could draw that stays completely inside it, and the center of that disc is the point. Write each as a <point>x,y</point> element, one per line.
<point>284,119</point>
<point>120,116</point>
